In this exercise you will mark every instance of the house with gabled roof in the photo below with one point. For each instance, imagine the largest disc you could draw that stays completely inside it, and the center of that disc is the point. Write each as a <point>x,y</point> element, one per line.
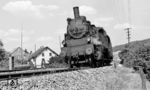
<point>41,57</point>
<point>20,55</point>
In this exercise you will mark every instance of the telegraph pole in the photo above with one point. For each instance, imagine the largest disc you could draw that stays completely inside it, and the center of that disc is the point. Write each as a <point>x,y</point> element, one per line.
<point>142,75</point>
<point>129,21</point>
<point>21,43</point>
<point>128,34</point>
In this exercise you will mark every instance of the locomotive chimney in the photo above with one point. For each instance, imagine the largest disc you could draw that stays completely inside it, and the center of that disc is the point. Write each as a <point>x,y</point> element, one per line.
<point>76,12</point>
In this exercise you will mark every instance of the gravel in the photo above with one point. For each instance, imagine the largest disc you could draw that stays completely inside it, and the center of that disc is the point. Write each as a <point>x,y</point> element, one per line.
<point>106,78</point>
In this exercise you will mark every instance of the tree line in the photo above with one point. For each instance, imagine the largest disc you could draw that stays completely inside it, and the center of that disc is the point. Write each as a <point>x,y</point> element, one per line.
<point>3,56</point>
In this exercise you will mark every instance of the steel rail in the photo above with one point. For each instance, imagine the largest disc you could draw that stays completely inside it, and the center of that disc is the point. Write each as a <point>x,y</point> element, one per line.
<point>30,73</point>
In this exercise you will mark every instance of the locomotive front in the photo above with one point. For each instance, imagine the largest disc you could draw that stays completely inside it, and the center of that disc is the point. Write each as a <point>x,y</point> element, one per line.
<point>80,40</point>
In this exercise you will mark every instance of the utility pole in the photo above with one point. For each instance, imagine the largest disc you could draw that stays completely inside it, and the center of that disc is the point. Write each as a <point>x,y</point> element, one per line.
<point>21,43</point>
<point>129,21</point>
<point>142,75</point>
<point>128,34</point>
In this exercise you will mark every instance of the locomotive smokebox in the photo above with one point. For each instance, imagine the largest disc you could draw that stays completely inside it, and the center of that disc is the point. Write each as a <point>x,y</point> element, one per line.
<point>76,12</point>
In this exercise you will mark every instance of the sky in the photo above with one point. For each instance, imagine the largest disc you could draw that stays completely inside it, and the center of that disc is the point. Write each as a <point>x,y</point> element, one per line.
<point>43,22</point>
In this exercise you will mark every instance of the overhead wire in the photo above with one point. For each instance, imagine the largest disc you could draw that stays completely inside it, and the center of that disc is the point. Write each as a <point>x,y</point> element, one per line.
<point>129,22</point>
<point>122,10</point>
<point>122,13</point>
<point>117,10</point>
<point>129,12</point>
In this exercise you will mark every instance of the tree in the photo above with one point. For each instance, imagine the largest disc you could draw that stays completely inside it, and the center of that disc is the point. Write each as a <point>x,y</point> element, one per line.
<point>2,51</point>
<point>140,61</point>
<point>3,56</point>
<point>127,57</point>
<point>139,57</point>
<point>1,44</point>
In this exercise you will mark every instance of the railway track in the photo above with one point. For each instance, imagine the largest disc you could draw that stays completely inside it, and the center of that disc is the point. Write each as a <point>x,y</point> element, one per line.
<point>2,71</point>
<point>11,77</point>
<point>14,75</point>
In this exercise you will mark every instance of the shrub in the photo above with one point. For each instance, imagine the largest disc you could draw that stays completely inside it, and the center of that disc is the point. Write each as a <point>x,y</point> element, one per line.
<point>56,59</point>
<point>57,62</point>
<point>4,57</point>
<point>137,57</point>
<point>127,57</point>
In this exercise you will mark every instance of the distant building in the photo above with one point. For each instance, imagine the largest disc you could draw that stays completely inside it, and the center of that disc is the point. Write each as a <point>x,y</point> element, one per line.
<point>20,55</point>
<point>41,57</point>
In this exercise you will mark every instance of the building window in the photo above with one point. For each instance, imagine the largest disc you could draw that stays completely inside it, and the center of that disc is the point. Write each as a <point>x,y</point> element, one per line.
<point>50,54</point>
<point>42,54</point>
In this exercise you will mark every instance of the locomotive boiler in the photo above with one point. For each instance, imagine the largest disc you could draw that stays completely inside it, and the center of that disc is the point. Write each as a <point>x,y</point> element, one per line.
<point>85,43</point>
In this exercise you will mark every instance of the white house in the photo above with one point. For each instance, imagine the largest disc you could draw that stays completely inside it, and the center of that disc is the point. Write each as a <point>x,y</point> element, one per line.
<point>41,57</point>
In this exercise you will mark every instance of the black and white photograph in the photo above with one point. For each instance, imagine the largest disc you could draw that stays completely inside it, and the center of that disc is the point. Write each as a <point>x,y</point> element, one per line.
<point>74,44</point>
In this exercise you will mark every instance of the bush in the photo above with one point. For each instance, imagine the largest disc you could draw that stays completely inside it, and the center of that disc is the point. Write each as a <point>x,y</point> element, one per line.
<point>4,57</point>
<point>4,64</point>
<point>56,59</point>
<point>137,57</point>
<point>127,57</point>
<point>57,62</point>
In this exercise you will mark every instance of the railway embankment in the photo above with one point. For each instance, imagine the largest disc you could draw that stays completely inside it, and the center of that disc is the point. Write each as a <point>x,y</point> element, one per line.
<point>105,78</point>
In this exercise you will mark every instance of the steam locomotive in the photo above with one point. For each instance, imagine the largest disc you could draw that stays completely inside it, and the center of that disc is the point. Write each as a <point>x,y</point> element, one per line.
<point>85,43</point>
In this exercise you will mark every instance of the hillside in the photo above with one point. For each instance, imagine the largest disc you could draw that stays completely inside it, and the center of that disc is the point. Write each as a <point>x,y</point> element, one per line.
<point>133,44</point>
